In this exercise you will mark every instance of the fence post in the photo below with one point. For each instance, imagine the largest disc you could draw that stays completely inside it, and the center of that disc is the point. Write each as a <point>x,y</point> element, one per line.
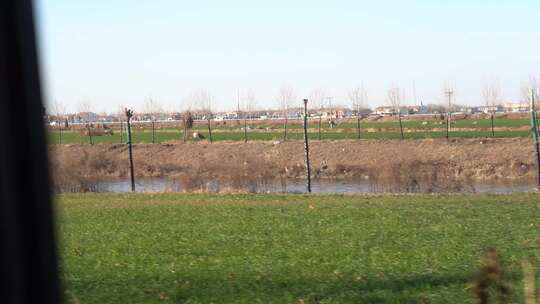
<point>320,125</point>
<point>245,128</point>
<point>534,133</point>
<point>129,114</point>
<point>306,148</point>
<point>89,133</point>
<point>492,125</point>
<point>400,125</point>
<point>285,126</point>
<point>153,132</point>
<point>121,131</point>
<point>184,134</point>
<point>358,116</point>
<point>447,136</point>
<point>209,130</point>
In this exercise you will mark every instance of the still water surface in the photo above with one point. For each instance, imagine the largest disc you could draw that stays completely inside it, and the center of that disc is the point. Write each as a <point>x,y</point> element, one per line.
<point>298,186</point>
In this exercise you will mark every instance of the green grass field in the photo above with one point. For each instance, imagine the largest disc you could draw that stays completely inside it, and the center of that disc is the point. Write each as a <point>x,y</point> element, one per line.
<point>463,128</point>
<point>145,136</point>
<point>200,248</point>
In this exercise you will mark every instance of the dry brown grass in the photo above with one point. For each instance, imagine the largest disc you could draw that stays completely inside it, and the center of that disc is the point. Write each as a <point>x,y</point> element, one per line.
<point>417,166</point>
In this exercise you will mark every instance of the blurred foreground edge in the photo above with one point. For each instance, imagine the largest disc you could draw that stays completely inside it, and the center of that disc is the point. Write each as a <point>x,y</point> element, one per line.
<point>28,262</point>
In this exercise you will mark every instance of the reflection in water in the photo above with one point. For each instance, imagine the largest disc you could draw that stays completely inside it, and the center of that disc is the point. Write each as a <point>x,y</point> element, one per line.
<point>298,186</point>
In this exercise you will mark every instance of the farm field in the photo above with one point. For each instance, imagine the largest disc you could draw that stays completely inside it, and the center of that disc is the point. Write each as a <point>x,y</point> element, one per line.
<point>260,130</point>
<point>202,248</point>
<point>145,136</point>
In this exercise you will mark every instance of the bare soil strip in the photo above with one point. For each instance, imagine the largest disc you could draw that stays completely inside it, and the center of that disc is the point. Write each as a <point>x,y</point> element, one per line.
<point>383,161</point>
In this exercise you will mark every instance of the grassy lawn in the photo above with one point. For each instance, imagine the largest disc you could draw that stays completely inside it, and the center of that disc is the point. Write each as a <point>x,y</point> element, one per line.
<point>201,248</point>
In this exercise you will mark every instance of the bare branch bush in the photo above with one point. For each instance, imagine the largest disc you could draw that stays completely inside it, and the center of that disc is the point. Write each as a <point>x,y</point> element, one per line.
<point>85,111</point>
<point>248,106</point>
<point>358,97</point>
<point>491,92</point>
<point>395,97</point>
<point>205,102</point>
<point>317,98</point>
<point>286,97</point>
<point>154,110</point>
<point>528,87</point>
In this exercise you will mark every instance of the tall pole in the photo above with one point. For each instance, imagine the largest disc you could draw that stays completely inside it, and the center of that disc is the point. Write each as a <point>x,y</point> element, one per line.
<point>121,131</point>
<point>185,121</point>
<point>449,94</point>
<point>245,127</point>
<point>153,131</point>
<point>129,114</point>
<point>534,133</point>
<point>306,148</point>
<point>320,125</point>
<point>400,124</point>
<point>88,129</point>
<point>358,116</point>
<point>331,112</point>
<point>492,124</point>
<point>285,114</point>
<point>209,130</point>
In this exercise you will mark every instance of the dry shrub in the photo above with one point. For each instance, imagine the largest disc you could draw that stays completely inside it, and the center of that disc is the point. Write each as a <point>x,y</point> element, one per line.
<point>409,176</point>
<point>77,172</point>
<point>222,176</point>
<point>490,284</point>
<point>68,177</point>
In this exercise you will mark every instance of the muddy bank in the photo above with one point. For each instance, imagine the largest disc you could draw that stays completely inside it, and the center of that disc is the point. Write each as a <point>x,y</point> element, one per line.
<point>405,162</point>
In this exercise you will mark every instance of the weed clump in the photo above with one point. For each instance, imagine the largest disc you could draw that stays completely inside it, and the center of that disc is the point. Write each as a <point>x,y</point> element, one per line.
<point>490,285</point>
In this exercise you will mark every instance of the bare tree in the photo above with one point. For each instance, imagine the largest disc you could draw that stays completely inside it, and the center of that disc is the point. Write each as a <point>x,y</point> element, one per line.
<point>530,90</point>
<point>449,92</point>
<point>187,117</point>
<point>491,92</point>
<point>249,103</point>
<point>120,114</point>
<point>59,111</point>
<point>358,97</point>
<point>532,85</point>
<point>317,98</point>
<point>154,110</point>
<point>394,98</point>
<point>285,98</point>
<point>85,112</point>
<point>204,100</point>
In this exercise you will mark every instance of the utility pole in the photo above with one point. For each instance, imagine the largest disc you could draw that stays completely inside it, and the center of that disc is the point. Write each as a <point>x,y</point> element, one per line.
<point>60,133</point>
<point>331,112</point>
<point>121,131</point>
<point>534,133</point>
<point>129,114</point>
<point>89,130</point>
<point>306,148</point>
<point>449,95</point>
<point>153,129</point>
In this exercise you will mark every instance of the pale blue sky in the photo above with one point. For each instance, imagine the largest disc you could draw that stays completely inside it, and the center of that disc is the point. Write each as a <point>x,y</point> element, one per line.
<point>118,52</point>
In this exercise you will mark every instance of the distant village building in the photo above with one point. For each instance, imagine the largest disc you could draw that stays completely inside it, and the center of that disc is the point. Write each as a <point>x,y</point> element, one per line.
<point>227,116</point>
<point>86,117</point>
<point>419,109</point>
<point>516,107</point>
<point>389,110</point>
<point>491,109</point>
<point>385,110</point>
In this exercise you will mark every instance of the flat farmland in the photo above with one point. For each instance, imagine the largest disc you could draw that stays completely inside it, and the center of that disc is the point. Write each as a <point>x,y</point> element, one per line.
<point>258,130</point>
<point>202,248</point>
